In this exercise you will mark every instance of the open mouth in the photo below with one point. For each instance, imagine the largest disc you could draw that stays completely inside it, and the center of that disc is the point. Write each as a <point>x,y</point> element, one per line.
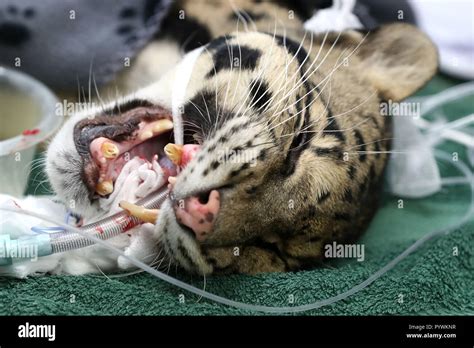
<point>107,143</point>
<point>147,143</point>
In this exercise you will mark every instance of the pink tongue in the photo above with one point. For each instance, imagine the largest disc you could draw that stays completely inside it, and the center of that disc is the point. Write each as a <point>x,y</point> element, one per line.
<point>167,166</point>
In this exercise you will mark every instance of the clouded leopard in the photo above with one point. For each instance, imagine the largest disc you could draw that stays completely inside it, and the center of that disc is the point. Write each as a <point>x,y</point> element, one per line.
<point>292,145</point>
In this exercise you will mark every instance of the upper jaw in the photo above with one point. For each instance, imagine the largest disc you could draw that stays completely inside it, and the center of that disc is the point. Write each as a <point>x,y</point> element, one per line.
<point>125,131</point>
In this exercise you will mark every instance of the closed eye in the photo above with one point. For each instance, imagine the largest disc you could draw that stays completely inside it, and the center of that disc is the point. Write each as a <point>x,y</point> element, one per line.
<point>299,143</point>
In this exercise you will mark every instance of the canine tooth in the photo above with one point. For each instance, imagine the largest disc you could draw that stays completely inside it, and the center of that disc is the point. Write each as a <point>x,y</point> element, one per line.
<point>109,150</point>
<point>172,180</point>
<point>103,188</point>
<point>174,153</point>
<point>146,215</point>
<point>162,125</point>
<point>146,135</point>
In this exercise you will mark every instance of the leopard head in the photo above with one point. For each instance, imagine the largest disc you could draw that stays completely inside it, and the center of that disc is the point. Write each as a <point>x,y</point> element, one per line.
<point>292,144</point>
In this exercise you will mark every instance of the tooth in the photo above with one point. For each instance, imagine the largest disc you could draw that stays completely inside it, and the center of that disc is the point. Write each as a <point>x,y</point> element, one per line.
<point>174,153</point>
<point>172,180</point>
<point>146,215</point>
<point>103,188</point>
<point>109,150</point>
<point>162,125</point>
<point>146,135</point>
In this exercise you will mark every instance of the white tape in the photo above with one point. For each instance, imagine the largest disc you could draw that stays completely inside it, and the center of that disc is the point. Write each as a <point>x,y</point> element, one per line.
<point>178,95</point>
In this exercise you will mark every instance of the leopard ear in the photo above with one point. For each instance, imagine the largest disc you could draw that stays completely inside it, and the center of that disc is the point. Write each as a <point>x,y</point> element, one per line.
<point>398,59</point>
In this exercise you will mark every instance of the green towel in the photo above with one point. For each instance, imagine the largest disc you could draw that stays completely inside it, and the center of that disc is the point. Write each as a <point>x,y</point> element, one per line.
<point>436,279</point>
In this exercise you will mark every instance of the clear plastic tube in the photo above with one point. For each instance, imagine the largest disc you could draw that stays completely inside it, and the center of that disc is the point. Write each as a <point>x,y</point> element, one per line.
<point>449,95</point>
<point>106,228</point>
<point>285,309</point>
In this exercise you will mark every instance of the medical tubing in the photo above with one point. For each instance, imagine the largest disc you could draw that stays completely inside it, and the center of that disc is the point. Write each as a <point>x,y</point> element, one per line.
<point>106,228</point>
<point>454,93</point>
<point>40,242</point>
<point>287,309</point>
<point>461,122</point>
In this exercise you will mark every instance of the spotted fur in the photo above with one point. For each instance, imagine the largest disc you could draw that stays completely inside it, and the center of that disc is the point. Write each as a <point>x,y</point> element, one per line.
<point>290,127</point>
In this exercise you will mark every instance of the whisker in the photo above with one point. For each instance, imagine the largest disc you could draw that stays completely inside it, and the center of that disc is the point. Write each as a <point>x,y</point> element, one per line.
<point>262,70</point>
<point>203,288</point>
<point>239,16</point>
<point>308,105</point>
<point>102,104</point>
<point>335,68</point>
<point>372,142</point>
<point>284,73</point>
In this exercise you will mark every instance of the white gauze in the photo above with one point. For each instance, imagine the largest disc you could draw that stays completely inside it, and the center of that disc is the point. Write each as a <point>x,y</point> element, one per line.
<point>137,179</point>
